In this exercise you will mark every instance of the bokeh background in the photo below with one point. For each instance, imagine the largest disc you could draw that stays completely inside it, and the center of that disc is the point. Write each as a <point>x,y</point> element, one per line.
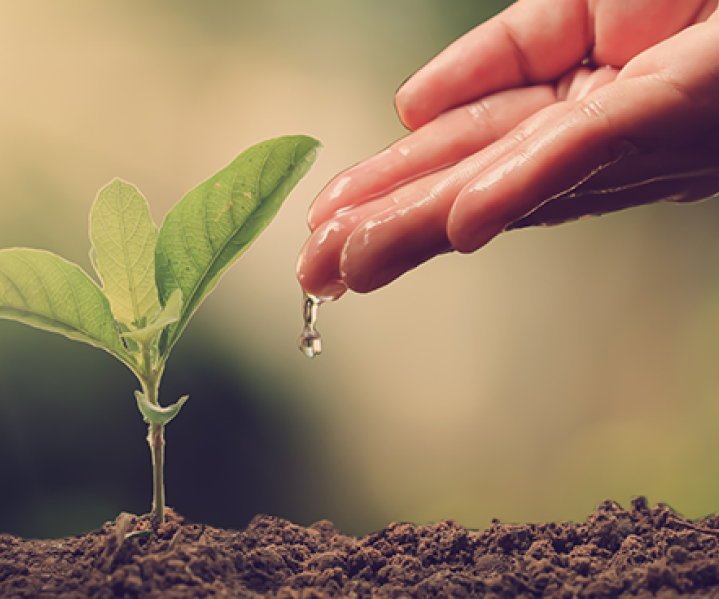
<point>552,370</point>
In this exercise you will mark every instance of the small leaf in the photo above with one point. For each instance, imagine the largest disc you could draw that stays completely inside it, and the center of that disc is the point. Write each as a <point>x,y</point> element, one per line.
<point>46,291</point>
<point>155,414</point>
<point>169,314</point>
<point>215,223</point>
<point>123,238</point>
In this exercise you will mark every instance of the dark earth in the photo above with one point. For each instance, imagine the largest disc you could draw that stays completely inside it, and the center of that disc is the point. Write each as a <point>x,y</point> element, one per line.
<point>640,552</point>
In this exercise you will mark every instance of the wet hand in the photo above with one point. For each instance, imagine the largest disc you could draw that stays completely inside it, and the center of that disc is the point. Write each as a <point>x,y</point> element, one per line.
<point>513,128</point>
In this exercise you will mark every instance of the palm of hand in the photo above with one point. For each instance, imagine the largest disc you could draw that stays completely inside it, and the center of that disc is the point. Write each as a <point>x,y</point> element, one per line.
<point>511,128</point>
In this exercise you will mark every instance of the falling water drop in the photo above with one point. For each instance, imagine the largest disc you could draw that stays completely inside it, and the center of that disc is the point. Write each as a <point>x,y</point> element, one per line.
<point>310,341</point>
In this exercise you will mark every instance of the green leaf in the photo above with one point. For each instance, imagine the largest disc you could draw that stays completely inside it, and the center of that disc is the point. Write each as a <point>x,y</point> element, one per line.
<point>169,314</point>
<point>123,252</point>
<point>46,291</point>
<point>155,414</point>
<point>215,223</point>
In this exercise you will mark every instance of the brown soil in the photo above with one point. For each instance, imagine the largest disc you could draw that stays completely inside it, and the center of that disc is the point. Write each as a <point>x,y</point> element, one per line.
<point>614,553</point>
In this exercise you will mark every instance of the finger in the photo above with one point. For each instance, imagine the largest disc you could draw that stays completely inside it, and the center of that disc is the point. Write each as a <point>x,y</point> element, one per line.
<point>569,84</point>
<point>393,234</point>
<point>318,265</point>
<point>579,82</point>
<point>326,267</point>
<point>625,29</point>
<point>685,174</point>
<point>518,47</point>
<point>399,238</point>
<point>445,141</point>
<point>673,102</point>
<point>409,225</point>
<point>594,80</point>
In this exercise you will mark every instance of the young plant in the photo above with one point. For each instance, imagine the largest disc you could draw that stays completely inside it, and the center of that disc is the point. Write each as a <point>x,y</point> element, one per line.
<point>153,281</point>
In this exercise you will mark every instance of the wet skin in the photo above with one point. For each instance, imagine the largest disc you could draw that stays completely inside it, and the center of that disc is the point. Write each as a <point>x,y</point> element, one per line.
<point>510,128</point>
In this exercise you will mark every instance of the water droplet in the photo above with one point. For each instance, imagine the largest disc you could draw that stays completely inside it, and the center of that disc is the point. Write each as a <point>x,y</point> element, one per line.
<point>310,341</point>
<point>311,344</point>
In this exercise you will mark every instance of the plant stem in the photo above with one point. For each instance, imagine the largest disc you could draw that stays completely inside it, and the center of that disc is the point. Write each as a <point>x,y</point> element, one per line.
<point>156,440</point>
<point>155,437</point>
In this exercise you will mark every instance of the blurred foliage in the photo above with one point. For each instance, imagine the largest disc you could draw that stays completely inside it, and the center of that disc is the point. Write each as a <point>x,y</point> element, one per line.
<point>550,371</point>
<point>89,101</point>
<point>73,443</point>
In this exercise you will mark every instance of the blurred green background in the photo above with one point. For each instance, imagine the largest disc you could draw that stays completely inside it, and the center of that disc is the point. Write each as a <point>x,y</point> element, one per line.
<point>552,370</point>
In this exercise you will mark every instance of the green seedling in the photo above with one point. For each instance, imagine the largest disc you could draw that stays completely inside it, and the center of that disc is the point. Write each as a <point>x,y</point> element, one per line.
<point>153,281</point>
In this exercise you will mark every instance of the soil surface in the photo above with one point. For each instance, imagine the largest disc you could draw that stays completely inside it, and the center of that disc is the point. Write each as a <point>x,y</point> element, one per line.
<point>642,552</point>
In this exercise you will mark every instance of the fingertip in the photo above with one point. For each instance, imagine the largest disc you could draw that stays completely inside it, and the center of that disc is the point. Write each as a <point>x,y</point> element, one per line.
<point>469,227</point>
<point>409,111</point>
<point>369,259</point>
<point>383,248</point>
<point>367,285</point>
<point>362,277</point>
<point>328,293</point>
<point>317,267</point>
<point>468,239</point>
<point>323,289</point>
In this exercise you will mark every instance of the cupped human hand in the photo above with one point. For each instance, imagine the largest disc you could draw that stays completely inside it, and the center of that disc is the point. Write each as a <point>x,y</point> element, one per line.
<point>553,110</point>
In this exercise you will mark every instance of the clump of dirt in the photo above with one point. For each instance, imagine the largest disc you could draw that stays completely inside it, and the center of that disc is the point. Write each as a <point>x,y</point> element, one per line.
<point>642,552</point>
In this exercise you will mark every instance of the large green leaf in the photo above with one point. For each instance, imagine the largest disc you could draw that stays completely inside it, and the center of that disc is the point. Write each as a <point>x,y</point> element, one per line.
<point>123,238</point>
<point>214,223</point>
<point>45,291</point>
